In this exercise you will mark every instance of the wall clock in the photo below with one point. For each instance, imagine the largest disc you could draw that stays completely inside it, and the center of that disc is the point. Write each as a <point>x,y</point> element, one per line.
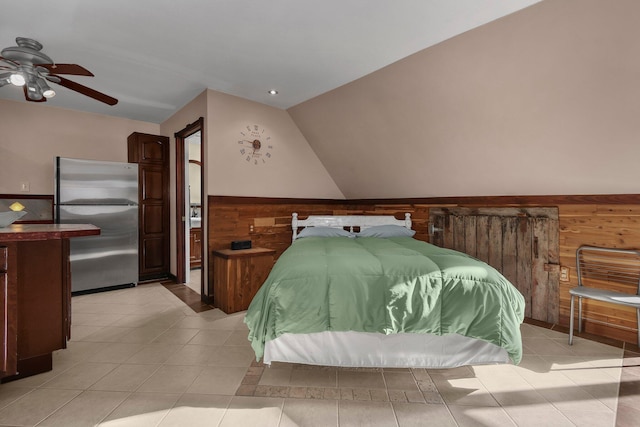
<point>255,145</point>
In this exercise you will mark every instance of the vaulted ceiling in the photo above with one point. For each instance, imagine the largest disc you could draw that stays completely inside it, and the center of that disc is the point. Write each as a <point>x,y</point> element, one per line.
<point>155,56</point>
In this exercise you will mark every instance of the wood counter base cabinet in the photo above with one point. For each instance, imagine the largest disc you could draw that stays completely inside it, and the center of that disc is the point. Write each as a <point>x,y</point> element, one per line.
<point>237,276</point>
<point>195,248</point>
<point>35,298</point>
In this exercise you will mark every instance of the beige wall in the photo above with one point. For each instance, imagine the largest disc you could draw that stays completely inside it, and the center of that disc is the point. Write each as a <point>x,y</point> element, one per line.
<point>32,135</point>
<point>544,101</point>
<point>293,170</point>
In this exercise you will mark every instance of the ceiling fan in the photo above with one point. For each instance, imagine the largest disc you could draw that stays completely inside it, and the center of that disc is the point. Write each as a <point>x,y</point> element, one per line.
<point>25,65</point>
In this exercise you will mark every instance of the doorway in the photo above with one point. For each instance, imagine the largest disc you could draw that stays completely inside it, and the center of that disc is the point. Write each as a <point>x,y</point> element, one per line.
<point>190,211</point>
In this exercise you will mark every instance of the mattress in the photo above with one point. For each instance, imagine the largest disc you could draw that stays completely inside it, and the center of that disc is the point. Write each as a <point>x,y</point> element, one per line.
<point>367,350</point>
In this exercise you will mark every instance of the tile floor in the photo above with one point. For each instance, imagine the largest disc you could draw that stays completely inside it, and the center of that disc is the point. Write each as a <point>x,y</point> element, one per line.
<point>142,357</point>
<point>194,279</point>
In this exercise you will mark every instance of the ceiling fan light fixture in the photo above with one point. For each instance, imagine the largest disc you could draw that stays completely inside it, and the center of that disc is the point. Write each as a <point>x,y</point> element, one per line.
<point>34,96</point>
<point>5,79</point>
<point>34,93</point>
<point>272,92</point>
<point>27,66</point>
<point>46,91</point>
<point>17,79</point>
<point>33,89</point>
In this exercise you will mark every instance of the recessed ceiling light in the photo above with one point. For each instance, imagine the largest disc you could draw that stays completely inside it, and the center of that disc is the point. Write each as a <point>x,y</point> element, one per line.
<point>273,92</point>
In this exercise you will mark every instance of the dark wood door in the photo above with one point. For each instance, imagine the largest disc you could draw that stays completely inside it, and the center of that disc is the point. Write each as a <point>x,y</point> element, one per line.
<point>151,152</point>
<point>521,243</point>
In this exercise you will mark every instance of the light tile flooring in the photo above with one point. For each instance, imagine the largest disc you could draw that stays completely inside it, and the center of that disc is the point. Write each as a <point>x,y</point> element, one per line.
<point>141,357</point>
<point>194,280</point>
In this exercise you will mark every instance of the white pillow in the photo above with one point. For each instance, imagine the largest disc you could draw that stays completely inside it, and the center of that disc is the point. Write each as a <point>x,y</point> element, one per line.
<point>324,232</point>
<point>386,231</point>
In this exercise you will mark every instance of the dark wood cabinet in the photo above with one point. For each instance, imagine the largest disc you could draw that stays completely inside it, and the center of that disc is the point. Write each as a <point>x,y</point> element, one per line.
<point>36,321</point>
<point>35,300</point>
<point>195,248</point>
<point>151,152</point>
<point>237,276</point>
<point>8,311</point>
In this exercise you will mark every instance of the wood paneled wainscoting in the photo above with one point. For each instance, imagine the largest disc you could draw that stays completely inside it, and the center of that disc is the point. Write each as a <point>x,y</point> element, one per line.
<point>603,225</point>
<point>611,221</point>
<point>598,220</point>
<point>267,221</point>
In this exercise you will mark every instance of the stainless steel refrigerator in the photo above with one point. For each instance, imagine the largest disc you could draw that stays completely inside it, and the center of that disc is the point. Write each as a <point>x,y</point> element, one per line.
<point>104,194</point>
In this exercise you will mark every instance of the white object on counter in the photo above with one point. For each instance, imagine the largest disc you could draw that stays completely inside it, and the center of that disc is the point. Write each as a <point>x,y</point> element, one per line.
<point>7,218</point>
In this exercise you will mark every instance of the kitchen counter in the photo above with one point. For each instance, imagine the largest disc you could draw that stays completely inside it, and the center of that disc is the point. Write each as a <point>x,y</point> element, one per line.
<point>35,295</point>
<point>30,232</point>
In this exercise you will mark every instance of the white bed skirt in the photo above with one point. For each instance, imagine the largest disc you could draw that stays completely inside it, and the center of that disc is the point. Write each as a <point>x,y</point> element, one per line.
<point>360,349</point>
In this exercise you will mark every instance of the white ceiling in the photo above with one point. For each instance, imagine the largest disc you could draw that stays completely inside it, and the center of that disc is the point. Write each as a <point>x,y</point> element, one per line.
<point>157,55</point>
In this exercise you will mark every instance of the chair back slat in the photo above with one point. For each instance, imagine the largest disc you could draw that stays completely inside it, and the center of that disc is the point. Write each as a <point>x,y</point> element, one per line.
<point>620,266</point>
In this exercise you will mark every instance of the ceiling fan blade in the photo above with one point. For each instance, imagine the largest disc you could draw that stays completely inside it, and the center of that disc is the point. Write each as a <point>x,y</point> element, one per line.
<point>51,78</point>
<point>91,93</point>
<point>7,63</point>
<point>72,69</point>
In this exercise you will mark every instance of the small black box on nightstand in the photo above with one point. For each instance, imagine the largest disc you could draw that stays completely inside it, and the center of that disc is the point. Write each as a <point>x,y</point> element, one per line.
<point>240,244</point>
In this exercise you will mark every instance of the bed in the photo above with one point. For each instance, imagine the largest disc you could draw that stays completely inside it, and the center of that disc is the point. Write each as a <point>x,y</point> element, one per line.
<point>380,298</point>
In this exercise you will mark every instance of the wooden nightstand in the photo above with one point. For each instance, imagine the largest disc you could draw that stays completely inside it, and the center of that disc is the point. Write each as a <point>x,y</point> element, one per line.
<point>237,276</point>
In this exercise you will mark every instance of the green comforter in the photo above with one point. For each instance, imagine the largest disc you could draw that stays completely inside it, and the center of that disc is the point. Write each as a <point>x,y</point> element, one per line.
<point>388,286</point>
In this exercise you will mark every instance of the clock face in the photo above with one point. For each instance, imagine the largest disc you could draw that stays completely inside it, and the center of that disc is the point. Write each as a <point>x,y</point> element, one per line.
<point>255,145</point>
